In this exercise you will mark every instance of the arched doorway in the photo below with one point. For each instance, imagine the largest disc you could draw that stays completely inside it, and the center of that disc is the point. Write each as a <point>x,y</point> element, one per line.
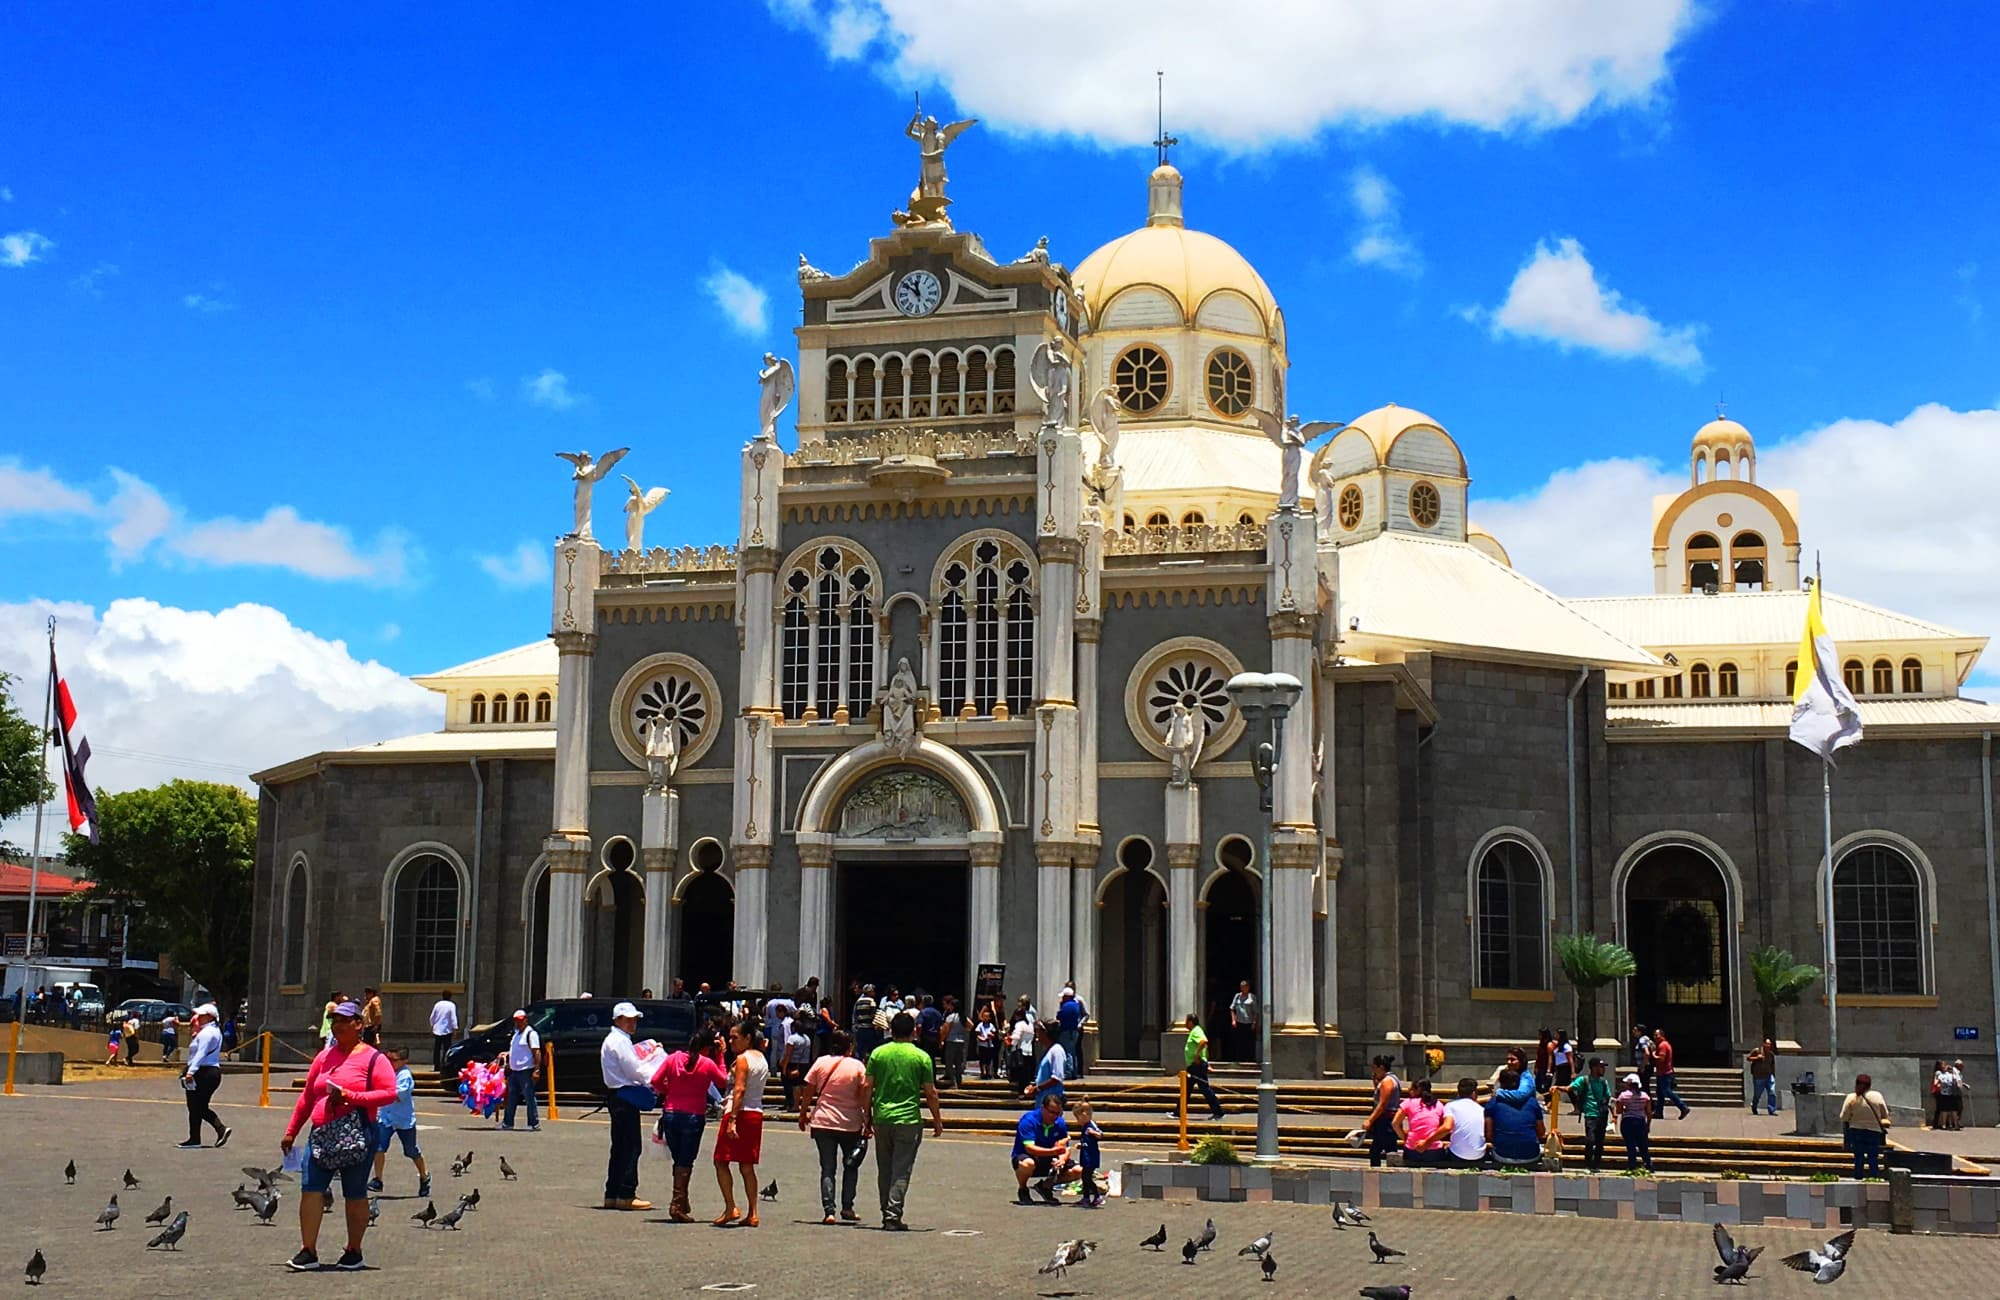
<point>535,952</point>
<point>614,934</point>
<point>1130,991</point>
<point>708,931</point>
<point>1677,924</point>
<point>1229,955</point>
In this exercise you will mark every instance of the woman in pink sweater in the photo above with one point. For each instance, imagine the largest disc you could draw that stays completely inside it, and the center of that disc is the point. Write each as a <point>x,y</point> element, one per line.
<point>347,1075</point>
<point>682,1082</point>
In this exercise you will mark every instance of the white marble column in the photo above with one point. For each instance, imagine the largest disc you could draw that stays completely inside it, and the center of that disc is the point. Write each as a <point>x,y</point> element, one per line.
<point>659,844</point>
<point>568,845</point>
<point>1052,914</point>
<point>750,969</point>
<point>983,921</point>
<point>1083,926</point>
<point>1183,863</point>
<point>816,907</point>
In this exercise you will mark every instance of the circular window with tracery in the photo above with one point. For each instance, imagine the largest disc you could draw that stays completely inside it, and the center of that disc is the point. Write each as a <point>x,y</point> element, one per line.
<point>1350,507</point>
<point>1140,377</point>
<point>1425,505</point>
<point>669,686</point>
<point>1192,671</point>
<point>1231,385</point>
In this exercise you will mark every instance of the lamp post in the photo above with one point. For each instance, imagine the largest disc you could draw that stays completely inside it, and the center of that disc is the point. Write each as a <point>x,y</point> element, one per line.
<point>1265,699</point>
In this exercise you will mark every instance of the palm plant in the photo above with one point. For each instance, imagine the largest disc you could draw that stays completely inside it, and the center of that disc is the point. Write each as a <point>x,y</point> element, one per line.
<point>1590,963</point>
<point>1781,982</point>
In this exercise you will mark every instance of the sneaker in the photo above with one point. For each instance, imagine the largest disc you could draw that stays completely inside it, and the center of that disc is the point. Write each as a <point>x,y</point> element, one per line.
<point>424,1185</point>
<point>1046,1189</point>
<point>375,1185</point>
<point>303,1262</point>
<point>849,1216</point>
<point>534,1128</point>
<point>894,1225</point>
<point>350,1262</point>
<point>1022,1198</point>
<point>189,1146</point>
<point>222,1138</point>
<point>506,1128</point>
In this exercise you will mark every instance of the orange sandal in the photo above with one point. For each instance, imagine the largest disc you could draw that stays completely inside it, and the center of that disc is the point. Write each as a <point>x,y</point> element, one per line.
<point>750,1219</point>
<point>727,1217</point>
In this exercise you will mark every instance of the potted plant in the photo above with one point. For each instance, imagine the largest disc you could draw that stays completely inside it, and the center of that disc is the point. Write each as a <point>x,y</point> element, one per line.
<point>1590,963</point>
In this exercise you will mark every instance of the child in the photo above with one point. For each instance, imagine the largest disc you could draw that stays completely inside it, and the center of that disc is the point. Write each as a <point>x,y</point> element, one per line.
<point>986,1037</point>
<point>111,1049</point>
<point>1087,1137</point>
<point>399,1119</point>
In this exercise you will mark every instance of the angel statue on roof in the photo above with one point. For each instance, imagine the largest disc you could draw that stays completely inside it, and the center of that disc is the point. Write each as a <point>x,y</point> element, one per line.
<point>1292,438</point>
<point>587,474</point>
<point>638,504</point>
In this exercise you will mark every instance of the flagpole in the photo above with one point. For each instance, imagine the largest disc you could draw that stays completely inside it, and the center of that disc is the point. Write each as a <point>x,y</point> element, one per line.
<point>34,858</point>
<point>1832,969</point>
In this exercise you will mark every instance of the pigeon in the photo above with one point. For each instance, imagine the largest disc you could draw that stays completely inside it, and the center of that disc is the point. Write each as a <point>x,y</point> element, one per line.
<point>425,1215</point>
<point>69,1176</point>
<point>1825,1264</point>
<point>1385,1293</point>
<point>1270,1267</point>
<point>458,1169</point>
<point>451,1217</point>
<point>469,1202</point>
<point>1257,1247</point>
<point>466,1160</point>
<point>1157,1240</point>
<point>1736,1260</point>
<point>1189,1251</point>
<point>770,1193</point>
<point>109,1218</point>
<point>374,1209</point>
<point>1068,1254</point>
<point>1339,1224</point>
<point>1207,1237</point>
<point>266,1178</point>
<point>130,1181</point>
<point>1348,1211</point>
<point>507,1173</point>
<point>265,1206</point>
<point>165,1212</point>
<point>1383,1254</point>
<point>244,1197</point>
<point>37,1265</point>
<point>171,1235</point>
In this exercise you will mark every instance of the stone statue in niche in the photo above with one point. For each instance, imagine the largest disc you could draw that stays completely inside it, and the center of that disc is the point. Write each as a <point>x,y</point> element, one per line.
<point>903,805</point>
<point>899,711</point>
<point>1186,733</point>
<point>663,751</point>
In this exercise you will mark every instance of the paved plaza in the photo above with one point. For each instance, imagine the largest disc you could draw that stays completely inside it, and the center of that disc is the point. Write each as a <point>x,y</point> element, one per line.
<point>544,1234</point>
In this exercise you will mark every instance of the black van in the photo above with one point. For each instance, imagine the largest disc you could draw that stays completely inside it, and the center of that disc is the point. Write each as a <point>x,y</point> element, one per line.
<point>575,1029</point>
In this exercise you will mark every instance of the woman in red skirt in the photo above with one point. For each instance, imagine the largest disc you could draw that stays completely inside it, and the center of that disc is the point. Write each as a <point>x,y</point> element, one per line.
<point>742,1138</point>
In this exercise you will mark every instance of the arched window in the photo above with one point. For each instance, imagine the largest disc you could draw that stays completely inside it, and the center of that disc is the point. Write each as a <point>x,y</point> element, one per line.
<point>950,384</point>
<point>1704,561</point>
<point>1131,522</point>
<point>1003,381</point>
<point>826,634</point>
<point>836,391</point>
<point>1159,519</point>
<point>1511,926</point>
<point>1746,561</point>
<point>423,922</point>
<point>521,707</point>
<point>920,386</point>
<point>1698,681</point>
<point>1193,519</point>
<point>478,714</point>
<point>1913,677</point>
<point>1882,678</point>
<point>1791,679</point>
<point>864,388</point>
<point>1851,675</point>
<point>986,634</point>
<point>1726,684</point>
<point>978,382</point>
<point>1139,377</point>
<point>298,896</point>
<point>545,705</point>
<point>1670,687</point>
<point>1878,931</point>
<point>1245,519</point>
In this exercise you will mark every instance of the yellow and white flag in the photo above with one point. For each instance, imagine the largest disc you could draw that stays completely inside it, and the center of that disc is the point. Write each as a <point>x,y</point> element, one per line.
<point>1824,714</point>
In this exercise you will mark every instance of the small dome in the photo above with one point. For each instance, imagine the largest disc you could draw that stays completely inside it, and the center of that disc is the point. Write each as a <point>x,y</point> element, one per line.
<point>1186,264</point>
<point>1486,542</point>
<point>1722,433</point>
<point>1385,424</point>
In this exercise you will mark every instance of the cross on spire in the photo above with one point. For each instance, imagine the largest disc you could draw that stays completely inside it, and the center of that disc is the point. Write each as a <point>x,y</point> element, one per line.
<point>1162,141</point>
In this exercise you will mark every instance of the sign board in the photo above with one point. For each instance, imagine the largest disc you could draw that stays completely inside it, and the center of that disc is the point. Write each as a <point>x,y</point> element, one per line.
<point>16,945</point>
<point>1966,1033</point>
<point>991,980</point>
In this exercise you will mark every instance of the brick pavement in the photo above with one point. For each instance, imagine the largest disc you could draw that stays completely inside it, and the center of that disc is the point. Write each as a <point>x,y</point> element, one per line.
<point>544,1236</point>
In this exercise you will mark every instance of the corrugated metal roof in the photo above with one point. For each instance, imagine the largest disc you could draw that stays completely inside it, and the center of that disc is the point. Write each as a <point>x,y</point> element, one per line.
<point>1196,459</point>
<point>1429,593</point>
<point>429,746</point>
<point>1752,618</point>
<point>1776,715</point>
<point>535,659</point>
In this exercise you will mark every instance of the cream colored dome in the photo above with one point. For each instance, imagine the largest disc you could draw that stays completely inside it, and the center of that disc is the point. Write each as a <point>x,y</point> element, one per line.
<point>1722,433</point>
<point>1385,424</point>
<point>1187,265</point>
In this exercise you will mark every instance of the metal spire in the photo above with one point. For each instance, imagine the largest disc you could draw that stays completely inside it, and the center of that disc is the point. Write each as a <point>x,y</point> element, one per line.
<point>1162,141</point>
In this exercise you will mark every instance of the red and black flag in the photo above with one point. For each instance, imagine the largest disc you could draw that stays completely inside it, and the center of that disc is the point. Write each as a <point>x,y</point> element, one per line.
<point>76,756</point>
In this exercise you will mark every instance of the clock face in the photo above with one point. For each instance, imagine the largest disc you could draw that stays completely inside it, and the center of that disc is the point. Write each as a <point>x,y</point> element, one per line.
<point>1062,311</point>
<point>918,294</point>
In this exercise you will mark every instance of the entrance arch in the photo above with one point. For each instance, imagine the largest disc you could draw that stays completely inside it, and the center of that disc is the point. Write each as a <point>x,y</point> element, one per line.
<point>1679,905</point>
<point>1131,983</point>
<point>1229,955</point>
<point>614,933</point>
<point>535,932</point>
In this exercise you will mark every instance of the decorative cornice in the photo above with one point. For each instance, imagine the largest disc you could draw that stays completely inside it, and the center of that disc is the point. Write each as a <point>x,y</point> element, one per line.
<point>1184,855</point>
<point>750,857</point>
<point>1059,550</point>
<point>1293,625</point>
<point>971,505</point>
<point>984,854</point>
<point>574,643</point>
<point>938,444</point>
<point>1057,853</point>
<point>1296,853</point>
<point>1185,539</point>
<point>1177,589</point>
<point>666,607</point>
<point>669,560</point>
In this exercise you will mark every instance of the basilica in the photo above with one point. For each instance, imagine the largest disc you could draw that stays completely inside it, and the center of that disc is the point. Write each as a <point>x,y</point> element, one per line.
<point>953,698</point>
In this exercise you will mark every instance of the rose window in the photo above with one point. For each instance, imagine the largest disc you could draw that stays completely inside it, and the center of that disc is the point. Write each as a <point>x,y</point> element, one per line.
<point>1192,682</point>
<point>673,697</point>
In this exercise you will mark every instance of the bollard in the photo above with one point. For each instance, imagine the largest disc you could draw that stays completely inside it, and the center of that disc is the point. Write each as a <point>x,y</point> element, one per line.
<point>264,1091</point>
<point>1184,1104</point>
<point>549,1069</point>
<point>1902,1202</point>
<point>13,1046</point>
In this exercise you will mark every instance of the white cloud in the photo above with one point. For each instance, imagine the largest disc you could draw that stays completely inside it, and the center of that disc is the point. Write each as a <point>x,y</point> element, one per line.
<point>164,692</point>
<point>549,389</point>
<point>525,566</point>
<point>1379,240</point>
<point>282,540</point>
<point>139,516</point>
<point>38,491</point>
<point>208,304</point>
<point>1556,297</point>
<point>741,301</point>
<point>1249,80</point>
<point>1870,506</point>
<point>92,281</point>
<point>6,195</point>
<point>23,247</point>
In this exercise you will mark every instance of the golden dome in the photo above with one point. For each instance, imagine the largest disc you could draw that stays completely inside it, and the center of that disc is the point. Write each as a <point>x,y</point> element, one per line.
<point>1722,433</point>
<point>1385,424</point>
<point>1186,264</point>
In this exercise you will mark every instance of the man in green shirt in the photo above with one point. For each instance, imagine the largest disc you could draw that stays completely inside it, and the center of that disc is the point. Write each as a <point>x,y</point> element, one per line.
<point>1197,1067</point>
<point>1591,1095</point>
<point>900,1076</point>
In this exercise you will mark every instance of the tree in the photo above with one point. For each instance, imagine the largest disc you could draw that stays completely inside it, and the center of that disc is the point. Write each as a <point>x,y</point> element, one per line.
<point>24,767</point>
<point>1781,982</point>
<point>186,853</point>
<point>1590,963</point>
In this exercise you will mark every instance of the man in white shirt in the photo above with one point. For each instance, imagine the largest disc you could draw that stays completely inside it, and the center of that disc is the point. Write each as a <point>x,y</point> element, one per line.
<point>1468,1125</point>
<point>524,1067</point>
<point>620,1065</point>
<point>204,1075</point>
<point>444,1028</point>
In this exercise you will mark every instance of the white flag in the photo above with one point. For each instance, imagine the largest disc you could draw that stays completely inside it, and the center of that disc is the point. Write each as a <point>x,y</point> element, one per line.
<point>1824,714</point>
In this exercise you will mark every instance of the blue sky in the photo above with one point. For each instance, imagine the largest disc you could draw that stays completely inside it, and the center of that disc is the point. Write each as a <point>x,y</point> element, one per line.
<point>295,304</point>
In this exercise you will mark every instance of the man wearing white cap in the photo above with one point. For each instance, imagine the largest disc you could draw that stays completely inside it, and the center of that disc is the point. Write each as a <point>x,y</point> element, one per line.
<point>524,1068</point>
<point>204,1075</point>
<point>625,1080</point>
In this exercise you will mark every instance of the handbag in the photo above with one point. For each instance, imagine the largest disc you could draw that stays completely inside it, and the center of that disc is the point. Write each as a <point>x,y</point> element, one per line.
<point>638,1096</point>
<point>348,1139</point>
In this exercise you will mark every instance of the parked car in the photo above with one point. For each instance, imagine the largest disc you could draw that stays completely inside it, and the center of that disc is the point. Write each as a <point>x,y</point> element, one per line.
<point>575,1029</point>
<point>151,1011</point>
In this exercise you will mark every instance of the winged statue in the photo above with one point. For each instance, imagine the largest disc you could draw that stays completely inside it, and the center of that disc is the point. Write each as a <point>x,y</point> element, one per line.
<point>1104,419</point>
<point>1053,375</point>
<point>1291,437</point>
<point>775,385</point>
<point>587,475</point>
<point>639,503</point>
